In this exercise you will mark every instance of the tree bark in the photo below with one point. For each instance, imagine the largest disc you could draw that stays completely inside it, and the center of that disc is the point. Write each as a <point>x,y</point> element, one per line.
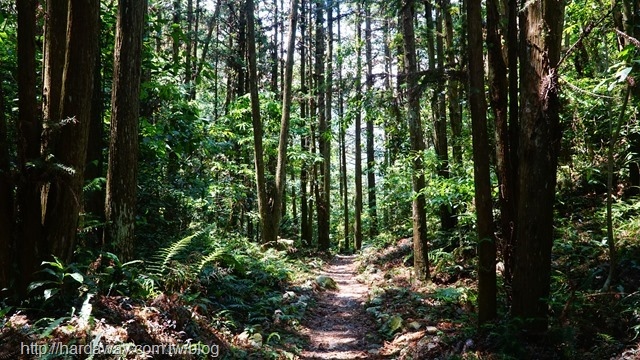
<point>448,219</point>
<point>64,198</point>
<point>420,246</point>
<point>357,230</point>
<point>94,164</point>
<point>540,136</point>
<point>344,188</point>
<point>120,203</point>
<point>453,92</point>
<point>29,249</point>
<point>324,132</point>
<point>270,203</point>
<point>281,176</point>
<point>305,226</point>
<point>258,150</point>
<point>498,89</point>
<point>371,161</point>
<point>487,304</point>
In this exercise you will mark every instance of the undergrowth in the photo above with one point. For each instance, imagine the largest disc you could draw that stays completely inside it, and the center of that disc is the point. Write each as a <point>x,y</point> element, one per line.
<point>210,287</point>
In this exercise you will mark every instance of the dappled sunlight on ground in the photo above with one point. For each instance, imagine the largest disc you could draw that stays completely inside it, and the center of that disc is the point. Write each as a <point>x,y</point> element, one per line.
<point>338,327</point>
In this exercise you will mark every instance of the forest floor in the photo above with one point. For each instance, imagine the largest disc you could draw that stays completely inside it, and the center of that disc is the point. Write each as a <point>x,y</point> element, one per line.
<point>377,311</point>
<point>338,326</point>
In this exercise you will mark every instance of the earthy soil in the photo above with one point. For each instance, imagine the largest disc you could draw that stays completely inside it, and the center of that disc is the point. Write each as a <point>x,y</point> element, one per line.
<point>338,326</point>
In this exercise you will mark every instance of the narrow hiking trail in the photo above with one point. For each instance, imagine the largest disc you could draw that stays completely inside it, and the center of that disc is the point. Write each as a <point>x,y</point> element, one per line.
<point>338,326</point>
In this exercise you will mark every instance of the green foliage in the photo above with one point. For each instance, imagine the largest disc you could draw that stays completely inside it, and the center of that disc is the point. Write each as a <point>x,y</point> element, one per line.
<point>61,281</point>
<point>109,275</point>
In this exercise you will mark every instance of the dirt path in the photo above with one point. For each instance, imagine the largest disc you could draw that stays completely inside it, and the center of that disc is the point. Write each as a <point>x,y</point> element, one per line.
<point>338,327</point>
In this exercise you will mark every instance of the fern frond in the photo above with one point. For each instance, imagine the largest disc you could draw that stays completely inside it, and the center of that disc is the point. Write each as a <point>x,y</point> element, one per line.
<point>164,256</point>
<point>209,259</point>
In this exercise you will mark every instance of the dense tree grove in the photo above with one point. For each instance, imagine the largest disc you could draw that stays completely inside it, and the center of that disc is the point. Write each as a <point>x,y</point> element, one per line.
<point>501,135</point>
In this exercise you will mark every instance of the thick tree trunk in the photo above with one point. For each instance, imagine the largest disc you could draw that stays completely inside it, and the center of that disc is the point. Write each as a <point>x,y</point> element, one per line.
<point>498,89</point>
<point>420,246</point>
<point>120,204</point>
<point>487,304</point>
<point>29,250</point>
<point>540,137</point>
<point>64,198</point>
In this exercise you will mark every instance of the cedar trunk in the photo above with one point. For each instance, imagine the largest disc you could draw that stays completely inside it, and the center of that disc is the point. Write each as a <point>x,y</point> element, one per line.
<point>29,249</point>
<point>64,196</point>
<point>120,204</point>
<point>357,230</point>
<point>420,247</point>
<point>540,137</point>
<point>324,132</point>
<point>487,304</point>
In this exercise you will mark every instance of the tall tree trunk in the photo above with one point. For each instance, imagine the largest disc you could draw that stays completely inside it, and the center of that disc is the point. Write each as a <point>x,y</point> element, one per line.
<point>487,304</point>
<point>324,132</point>
<point>242,54</point>
<point>54,60</point>
<point>270,203</point>
<point>371,161</point>
<point>64,198</point>
<point>305,226</point>
<point>274,50</point>
<point>326,129</point>
<point>391,122</point>
<point>29,249</point>
<point>94,164</point>
<point>498,89</point>
<point>343,146</point>
<point>540,136</point>
<point>281,176</point>
<point>448,219</point>
<point>420,246</point>
<point>455,116</point>
<point>357,230</point>
<point>120,203</point>
<point>263,205</point>
<point>6,201</point>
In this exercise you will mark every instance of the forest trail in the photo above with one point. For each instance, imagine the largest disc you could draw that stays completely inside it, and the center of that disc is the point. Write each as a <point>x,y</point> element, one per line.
<point>338,326</point>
